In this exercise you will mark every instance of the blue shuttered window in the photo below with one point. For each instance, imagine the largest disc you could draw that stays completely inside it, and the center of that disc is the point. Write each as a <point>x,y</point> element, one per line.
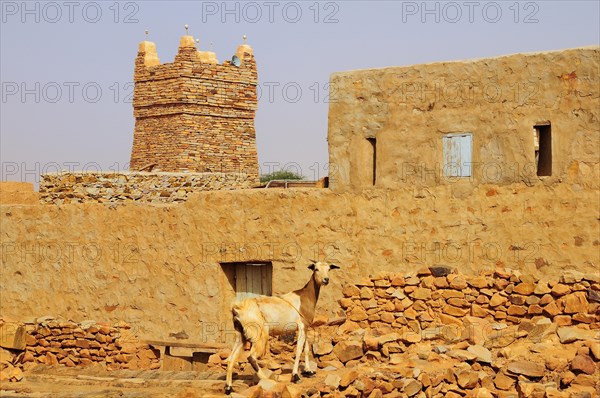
<point>458,155</point>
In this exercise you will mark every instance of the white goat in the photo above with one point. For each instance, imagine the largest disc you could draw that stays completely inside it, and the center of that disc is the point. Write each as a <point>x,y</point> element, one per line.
<point>258,317</point>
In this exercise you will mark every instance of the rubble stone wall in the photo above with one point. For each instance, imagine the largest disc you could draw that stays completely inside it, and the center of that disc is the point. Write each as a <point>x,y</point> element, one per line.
<point>68,343</point>
<point>501,332</point>
<point>141,187</point>
<point>55,342</point>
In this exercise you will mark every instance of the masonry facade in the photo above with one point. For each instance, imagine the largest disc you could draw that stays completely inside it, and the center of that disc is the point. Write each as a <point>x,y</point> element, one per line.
<point>194,115</point>
<point>523,118</point>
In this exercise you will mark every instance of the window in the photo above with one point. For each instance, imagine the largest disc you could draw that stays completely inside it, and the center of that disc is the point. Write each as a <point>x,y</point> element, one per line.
<point>373,142</point>
<point>542,138</point>
<point>457,155</point>
<point>250,279</point>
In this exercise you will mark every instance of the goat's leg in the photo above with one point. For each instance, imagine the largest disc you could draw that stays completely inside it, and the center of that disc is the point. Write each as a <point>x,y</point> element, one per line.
<point>235,352</point>
<point>299,348</point>
<point>257,351</point>
<point>307,372</point>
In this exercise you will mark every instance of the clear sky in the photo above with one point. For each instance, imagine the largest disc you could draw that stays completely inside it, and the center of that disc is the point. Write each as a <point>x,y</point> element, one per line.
<point>67,66</point>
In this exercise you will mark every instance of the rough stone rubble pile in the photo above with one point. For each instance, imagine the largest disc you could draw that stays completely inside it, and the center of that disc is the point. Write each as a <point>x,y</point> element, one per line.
<point>52,342</point>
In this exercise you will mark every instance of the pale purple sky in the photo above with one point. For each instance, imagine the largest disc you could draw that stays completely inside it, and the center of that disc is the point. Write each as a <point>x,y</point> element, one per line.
<point>67,66</point>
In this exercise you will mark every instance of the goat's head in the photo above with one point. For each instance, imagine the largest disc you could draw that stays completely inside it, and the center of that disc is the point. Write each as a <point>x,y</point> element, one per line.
<point>321,271</point>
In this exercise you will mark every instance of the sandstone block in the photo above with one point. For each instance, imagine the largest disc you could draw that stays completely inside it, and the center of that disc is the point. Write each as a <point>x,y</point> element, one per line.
<point>350,291</point>
<point>411,387</point>
<point>516,310</point>
<point>345,302</point>
<point>349,378</point>
<point>584,318</point>
<point>478,282</point>
<point>560,290</point>
<point>421,294</point>
<point>12,336</point>
<point>458,283</point>
<point>583,363</point>
<point>348,350</point>
<point>467,379</point>
<point>366,293</point>
<point>357,314</point>
<point>458,302</point>
<point>524,288</point>
<point>398,281</point>
<point>322,347</point>
<point>576,303</point>
<point>291,391</point>
<point>570,334</point>
<point>462,355</point>
<point>332,381</point>
<point>455,311</point>
<point>497,300</point>
<point>527,368</point>
<point>562,320</point>
<point>551,309</point>
<point>541,288</point>
<point>482,354</point>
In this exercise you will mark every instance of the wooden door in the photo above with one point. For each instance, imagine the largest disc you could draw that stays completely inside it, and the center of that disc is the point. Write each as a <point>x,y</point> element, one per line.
<point>253,279</point>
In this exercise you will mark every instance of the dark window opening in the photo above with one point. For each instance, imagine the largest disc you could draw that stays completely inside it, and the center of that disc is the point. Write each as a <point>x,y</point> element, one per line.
<point>373,142</point>
<point>543,150</point>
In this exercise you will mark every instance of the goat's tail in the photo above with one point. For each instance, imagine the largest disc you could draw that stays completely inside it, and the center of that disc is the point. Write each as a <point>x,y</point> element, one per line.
<point>247,320</point>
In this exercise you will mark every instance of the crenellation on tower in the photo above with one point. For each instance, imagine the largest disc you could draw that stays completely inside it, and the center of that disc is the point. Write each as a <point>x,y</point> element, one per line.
<point>147,55</point>
<point>195,115</point>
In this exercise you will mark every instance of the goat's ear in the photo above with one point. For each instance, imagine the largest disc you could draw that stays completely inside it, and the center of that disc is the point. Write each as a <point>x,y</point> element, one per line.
<point>333,266</point>
<point>311,267</point>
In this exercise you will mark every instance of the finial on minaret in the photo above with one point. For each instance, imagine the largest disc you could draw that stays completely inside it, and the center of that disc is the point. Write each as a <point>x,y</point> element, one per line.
<point>147,31</point>
<point>211,46</point>
<point>243,49</point>
<point>186,26</point>
<point>197,41</point>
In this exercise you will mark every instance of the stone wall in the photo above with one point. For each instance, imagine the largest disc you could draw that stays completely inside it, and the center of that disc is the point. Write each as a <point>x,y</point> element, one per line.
<point>437,333</point>
<point>501,333</point>
<point>194,114</point>
<point>54,342</point>
<point>140,187</point>
<point>175,260</point>
<point>409,110</point>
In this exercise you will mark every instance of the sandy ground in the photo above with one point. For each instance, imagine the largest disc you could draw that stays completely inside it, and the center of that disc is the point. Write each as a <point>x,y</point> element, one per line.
<point>98,383</point>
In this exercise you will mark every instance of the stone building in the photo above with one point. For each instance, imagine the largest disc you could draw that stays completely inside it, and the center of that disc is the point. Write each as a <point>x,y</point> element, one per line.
<point>194,114</point>
<point>523,118</point>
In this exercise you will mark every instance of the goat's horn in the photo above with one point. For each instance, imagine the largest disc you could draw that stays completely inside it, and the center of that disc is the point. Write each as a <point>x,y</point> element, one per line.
<point>312,261</point>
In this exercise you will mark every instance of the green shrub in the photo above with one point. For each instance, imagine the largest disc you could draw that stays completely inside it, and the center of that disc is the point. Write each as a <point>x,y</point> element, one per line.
<point>280,175</point>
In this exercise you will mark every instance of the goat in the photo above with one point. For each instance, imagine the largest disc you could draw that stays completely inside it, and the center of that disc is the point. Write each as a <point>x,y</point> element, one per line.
<point>256,318</point>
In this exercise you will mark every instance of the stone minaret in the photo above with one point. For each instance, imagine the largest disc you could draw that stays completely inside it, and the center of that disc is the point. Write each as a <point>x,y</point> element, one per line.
<point>194,114</point>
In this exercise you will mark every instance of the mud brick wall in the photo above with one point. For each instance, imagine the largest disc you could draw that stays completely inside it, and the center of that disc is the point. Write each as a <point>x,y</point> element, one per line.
<point>194,115</point>
<point>498,334</point>
<point>98,187</point>
<point>54,342</point>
